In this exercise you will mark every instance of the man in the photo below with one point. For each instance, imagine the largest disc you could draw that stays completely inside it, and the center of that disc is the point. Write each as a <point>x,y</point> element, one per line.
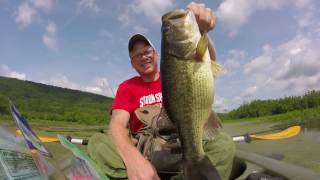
<point>121,158</point>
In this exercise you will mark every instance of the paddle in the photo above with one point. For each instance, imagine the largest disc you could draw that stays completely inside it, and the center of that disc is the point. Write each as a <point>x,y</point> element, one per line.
<point>283,134</point>
<point>47,139</point>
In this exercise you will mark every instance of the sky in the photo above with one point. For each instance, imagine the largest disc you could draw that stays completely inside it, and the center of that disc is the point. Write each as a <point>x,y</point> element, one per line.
<point>268,48</point>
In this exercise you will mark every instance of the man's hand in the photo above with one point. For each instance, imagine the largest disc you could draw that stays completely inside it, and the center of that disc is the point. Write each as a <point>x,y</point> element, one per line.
<point>205,17</point>
<point>139,168</point>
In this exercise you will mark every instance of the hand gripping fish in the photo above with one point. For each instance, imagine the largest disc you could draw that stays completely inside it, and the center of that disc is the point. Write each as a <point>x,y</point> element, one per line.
<point>187,75</point>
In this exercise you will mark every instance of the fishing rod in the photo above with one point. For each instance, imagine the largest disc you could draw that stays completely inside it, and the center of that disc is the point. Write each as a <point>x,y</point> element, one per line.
<point>283,134</point>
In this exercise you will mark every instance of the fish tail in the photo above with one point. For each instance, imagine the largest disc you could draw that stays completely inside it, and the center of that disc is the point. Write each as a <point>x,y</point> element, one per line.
<point>201,170</point>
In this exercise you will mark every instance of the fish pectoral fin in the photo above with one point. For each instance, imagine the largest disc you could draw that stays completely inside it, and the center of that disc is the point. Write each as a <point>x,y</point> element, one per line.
<point>202,46</point>
<point>216,68</point>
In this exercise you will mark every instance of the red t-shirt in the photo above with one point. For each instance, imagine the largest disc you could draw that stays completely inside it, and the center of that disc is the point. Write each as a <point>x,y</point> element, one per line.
<point>135,93</point>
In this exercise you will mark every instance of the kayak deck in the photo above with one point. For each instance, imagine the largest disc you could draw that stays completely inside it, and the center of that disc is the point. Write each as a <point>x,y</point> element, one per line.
<point>255,163</point>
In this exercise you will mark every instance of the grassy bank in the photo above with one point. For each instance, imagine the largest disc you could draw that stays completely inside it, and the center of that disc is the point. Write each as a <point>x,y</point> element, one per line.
<point>307,117</point>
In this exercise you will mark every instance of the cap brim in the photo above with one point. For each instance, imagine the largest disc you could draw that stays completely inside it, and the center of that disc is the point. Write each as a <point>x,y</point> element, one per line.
<point>135,38</point>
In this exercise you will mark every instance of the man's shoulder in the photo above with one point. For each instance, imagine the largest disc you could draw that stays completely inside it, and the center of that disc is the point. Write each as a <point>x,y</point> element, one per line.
<point>131,81</point>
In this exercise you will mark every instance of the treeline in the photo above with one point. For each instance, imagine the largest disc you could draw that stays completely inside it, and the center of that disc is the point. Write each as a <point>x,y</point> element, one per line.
<point>259,108</point>
<point>43,102</point>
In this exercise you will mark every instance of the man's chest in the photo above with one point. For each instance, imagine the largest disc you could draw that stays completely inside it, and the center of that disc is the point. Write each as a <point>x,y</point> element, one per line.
<point>147,96</point>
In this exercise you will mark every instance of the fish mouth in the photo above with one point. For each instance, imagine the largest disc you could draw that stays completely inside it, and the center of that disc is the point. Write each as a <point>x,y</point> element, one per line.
<point>174,15</point>
<point>179,33</point>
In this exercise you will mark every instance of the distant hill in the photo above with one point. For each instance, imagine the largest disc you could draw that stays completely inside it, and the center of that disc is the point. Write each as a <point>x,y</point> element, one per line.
<point>38,101</point>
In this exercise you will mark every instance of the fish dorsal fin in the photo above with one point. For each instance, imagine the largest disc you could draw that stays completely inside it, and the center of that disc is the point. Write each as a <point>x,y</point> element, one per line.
<point>202,46</point>
<point>216,68</point>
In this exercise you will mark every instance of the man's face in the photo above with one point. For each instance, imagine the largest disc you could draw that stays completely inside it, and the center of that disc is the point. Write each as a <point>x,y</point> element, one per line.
<point>144,58</point>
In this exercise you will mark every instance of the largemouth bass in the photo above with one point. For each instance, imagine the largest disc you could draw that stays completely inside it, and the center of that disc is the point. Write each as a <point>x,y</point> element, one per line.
<point>187,75</point>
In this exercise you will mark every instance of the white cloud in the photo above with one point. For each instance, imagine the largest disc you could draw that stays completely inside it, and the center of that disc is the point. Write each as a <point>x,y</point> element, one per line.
<point>49,38</point>
<point>223,105</point>
<point>291,68</point>
<point>18,75</point>
<point>124,18</point>
<point>44,5</point>
<point>90,5</point>
<point>103,84</point>
<point>234,13</point>
<point>219,104</point>
<point>306,20</point>
<point>288,69</point>
<point>95,90</point>
<point>233,61</point>
<point>25,15</point>
<point>250,91</point>
<point>300,85</point>
<point>151,9</point>
<point>261,63</point>
<point>303,3</point>
<point>60,80</point>
<point>6,71</point>
<point>257,64</point>
<point>51,29</point>
<point>99,86</point>
<point>49,41</point>
<point>140,29</point>
<point>28,11</point>
<point>300,59</point>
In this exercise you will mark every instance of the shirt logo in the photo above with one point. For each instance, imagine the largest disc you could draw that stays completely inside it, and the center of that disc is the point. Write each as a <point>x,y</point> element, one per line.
<point>151,99</point>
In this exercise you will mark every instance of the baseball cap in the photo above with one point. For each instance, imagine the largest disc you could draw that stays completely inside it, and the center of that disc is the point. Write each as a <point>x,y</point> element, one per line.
<point>138,37</point>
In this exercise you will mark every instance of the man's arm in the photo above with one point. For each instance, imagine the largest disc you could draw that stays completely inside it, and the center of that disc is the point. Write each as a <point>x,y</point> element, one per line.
<point>137,166</point>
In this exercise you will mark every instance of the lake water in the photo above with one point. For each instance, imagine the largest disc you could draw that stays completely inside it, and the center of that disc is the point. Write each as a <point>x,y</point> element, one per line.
<point>302,150</point>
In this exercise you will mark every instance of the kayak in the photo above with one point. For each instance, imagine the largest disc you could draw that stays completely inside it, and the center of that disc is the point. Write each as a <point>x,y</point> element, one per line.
<point>248,164</point>
<point>255,165</point>
<point>252,166</point>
